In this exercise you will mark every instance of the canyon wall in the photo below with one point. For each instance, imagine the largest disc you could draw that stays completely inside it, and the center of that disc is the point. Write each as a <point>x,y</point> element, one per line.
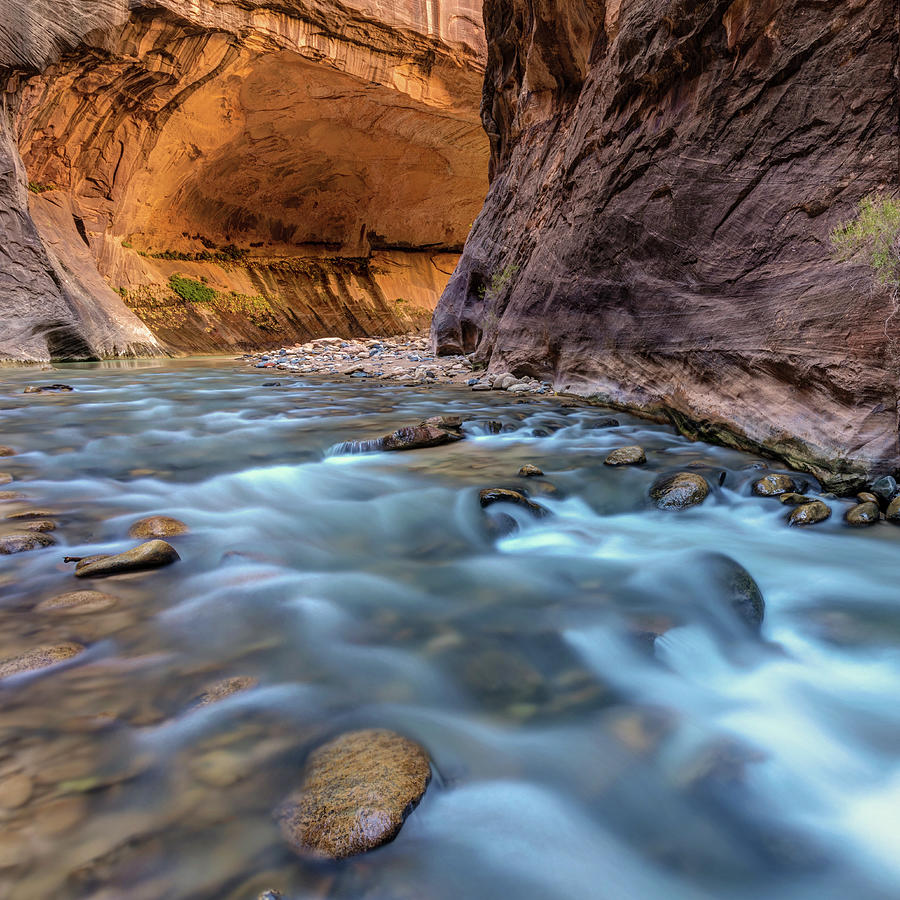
<point>665,178</point>
<point>317,165</point>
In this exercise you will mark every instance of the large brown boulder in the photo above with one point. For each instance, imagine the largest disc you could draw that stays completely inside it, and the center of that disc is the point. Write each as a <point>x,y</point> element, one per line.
<point>356,793</point>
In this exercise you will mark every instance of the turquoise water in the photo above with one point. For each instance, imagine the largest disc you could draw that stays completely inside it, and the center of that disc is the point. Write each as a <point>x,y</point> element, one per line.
<point>575,755</point>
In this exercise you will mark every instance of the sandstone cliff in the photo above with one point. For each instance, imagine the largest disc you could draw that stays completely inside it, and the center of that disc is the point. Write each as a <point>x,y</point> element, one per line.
<point>315,163</point>
<point>665,177</point>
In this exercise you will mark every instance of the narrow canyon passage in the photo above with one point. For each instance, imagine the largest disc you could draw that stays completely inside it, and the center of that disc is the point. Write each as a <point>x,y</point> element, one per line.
<point>245,177</point>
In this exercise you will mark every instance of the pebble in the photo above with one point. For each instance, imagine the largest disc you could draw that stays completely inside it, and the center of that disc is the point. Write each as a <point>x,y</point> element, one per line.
<point>357,791</point>
<point>23,541</point>
<point>157,527</point>
<point>150,555</point>
<point>809,513</point>
<point>626,456</point>
<point>38,658</point>
<point>77,602</point>
<point>679,491</point>
<point>863,515</point>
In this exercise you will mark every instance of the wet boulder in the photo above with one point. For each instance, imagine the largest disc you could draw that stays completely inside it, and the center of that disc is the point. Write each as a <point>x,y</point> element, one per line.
<point>529,471</point>
<point>151,555</point>
<point>605,422</point>
<point>773,484</point>
<point>356,793</point>
<point>48,389</point>
<point>737,588</point>
<point>885,488</point>
<point>7,451</point>
<point>626,456</point>
<point>23,541</point>
<point>679,491</point>
<point>892,514</point>
<point>866,497</point>
<point>414,437</point>
<point>490,496</point>
<point>157,527</point>
<point>863,515</point>
<point>38,658</point>
<point>809,513</point>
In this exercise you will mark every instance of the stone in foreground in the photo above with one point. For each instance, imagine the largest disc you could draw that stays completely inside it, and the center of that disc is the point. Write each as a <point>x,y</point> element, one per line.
<point>809,513</point>
<point>77,602</point>
<point>863,515</point>
<point>490,496</point>
<point>773,484</point>
<point>357,791</point>
<point>157,527</point>
<point>626,456</point>
<point>151,555</point>
<point>39,658</point>
<point>741,591</point>
<point>23,541</point>
<point>679,491</point>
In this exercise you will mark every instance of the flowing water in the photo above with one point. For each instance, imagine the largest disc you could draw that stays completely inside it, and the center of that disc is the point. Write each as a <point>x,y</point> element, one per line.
<point>575,755</point>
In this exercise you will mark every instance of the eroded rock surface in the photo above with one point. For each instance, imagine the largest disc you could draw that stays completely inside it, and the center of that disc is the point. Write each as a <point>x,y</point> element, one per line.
<point>310,167</point>
<point>665,178</point>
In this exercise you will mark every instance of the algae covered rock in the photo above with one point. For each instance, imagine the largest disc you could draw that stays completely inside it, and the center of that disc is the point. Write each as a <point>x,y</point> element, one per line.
<point>356,793</point>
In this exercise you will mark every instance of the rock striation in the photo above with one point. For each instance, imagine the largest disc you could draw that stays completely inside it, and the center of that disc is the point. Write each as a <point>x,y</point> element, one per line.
<point>313,165</point>
<point>665,179</point>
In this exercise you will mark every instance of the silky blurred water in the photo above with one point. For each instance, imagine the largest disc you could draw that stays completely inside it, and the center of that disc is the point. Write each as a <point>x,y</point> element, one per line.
<point>575,755</point>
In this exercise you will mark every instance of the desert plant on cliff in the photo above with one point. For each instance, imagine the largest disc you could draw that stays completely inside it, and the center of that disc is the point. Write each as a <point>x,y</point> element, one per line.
<point>190,290</point>
<point>493,288</point>
<point>874,233</point>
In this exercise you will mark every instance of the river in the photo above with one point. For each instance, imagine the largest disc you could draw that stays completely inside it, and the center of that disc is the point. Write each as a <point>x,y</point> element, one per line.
<point>599,727</point>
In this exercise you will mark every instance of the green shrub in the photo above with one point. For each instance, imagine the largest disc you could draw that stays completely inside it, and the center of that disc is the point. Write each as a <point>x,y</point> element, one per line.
<point>37,188</point>
<point>875,233</point>
<point>190,290</point>
<point>499,280</point>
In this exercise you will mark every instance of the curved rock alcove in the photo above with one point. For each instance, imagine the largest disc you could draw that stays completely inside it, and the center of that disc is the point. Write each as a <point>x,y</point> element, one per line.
<point>240,174</point>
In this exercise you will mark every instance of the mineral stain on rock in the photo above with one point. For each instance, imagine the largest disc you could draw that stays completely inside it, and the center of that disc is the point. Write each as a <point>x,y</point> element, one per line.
<point>357,791</point>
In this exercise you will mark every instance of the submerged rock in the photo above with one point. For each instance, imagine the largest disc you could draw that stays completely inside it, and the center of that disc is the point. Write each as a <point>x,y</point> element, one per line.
<point>626,456</point>
<point>741,592</point>
<point>226,688</point>
<point>529,471</point>
<point>7,451</point>
<point>157,527</point>
<point>38,658</point>
<point>77,602</point>
<point>490,496</point>
<point>773,484</point>
<point>605,422</point>
<point>23,541</point>
<point>863,514</point>
<point>679,491</point>
<point>40,525</point>
<point>151,555</point>
<point>47,388</point>
<point>5,478</point>
<point>356,793</point>
<point>792,499</point>
<point>500,525</point>
<point>809,513</point>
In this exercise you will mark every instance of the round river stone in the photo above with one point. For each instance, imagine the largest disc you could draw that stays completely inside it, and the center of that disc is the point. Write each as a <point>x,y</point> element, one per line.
<point>38,658</point>
<point>679,491</point>
<point>809,513</point>
<point>626,456</point>
<point>773,484</point>
<point>157,527</point>
<point>76,602</point>
<point>357,791</point>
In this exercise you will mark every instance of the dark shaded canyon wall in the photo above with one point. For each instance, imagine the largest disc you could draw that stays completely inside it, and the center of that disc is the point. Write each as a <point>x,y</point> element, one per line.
<point>665,177</point>
<point>263,136</point>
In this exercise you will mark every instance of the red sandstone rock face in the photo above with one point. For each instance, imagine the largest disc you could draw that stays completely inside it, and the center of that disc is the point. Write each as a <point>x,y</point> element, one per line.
<point>335,145</point>
<point>665,179</point>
